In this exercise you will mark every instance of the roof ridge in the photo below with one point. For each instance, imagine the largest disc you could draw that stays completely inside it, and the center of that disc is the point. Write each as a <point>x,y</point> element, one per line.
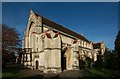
<point>67,30</point>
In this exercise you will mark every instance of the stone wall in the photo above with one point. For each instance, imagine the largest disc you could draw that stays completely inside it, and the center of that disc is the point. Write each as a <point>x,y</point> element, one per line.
<point>46,46</point>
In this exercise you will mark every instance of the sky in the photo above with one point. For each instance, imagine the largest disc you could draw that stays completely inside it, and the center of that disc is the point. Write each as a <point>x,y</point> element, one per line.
<point>94,20</point>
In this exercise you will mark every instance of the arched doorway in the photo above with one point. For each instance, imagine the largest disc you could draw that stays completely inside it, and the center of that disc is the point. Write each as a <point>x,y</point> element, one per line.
<point>63,59</point>
<point>37,64</point>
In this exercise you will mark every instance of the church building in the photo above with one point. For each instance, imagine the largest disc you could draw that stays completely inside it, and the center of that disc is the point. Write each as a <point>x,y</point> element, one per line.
<point>50,47</point>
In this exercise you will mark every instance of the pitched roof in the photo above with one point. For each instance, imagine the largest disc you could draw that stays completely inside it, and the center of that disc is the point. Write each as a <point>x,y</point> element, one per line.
<point>61,28</point>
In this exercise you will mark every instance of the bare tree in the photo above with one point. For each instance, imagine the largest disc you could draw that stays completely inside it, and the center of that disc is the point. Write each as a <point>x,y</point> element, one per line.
<point>10,41</point>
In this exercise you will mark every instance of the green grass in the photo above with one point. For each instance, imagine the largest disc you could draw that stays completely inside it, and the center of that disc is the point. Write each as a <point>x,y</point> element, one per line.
<point>104,72</point>
<point>14,72</point>
<point>19,74</point>
<point>92,73</point>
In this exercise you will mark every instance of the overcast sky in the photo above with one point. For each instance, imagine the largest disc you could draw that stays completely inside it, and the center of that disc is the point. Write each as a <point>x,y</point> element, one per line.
<point>96,21</point>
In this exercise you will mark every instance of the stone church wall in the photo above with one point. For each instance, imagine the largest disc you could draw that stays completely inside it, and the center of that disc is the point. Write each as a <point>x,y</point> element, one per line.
<point>47,46</point>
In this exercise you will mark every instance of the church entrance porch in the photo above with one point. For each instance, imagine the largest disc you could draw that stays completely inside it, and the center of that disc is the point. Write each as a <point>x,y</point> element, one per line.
<point>63,60</point>
<point>63,63</point>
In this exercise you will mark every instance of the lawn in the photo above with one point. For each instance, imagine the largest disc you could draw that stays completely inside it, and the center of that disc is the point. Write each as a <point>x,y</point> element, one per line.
<point>16,71</point>
<point>109,73</point>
